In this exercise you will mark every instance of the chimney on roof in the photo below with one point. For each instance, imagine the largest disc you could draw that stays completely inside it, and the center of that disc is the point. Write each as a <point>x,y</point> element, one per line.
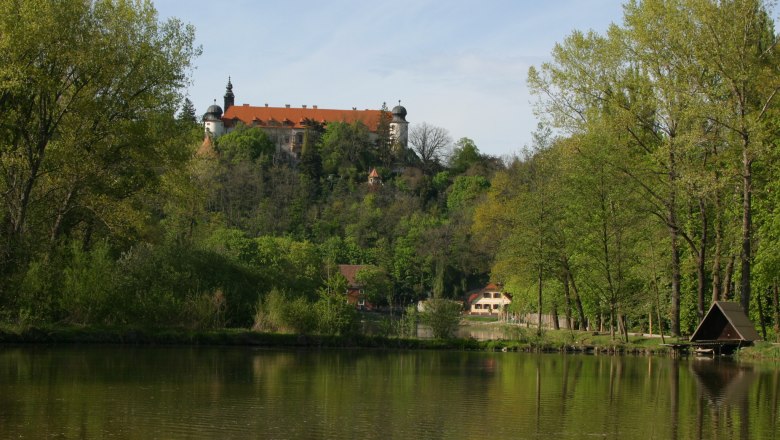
<point>266,104</point>
<point>287,106</point>
<point>354,108</point>
<point>245,105</point>
<point>304,105</point>
<point>314,107</point>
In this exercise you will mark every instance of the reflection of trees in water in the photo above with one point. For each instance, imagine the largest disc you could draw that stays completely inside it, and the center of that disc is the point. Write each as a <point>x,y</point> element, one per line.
<point>723,388</point>
<point>380,394</point>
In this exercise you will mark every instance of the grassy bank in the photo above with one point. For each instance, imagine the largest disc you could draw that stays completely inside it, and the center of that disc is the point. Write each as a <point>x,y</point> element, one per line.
<point>524,340</point>
<point>760,351</point>
<point>550,341</point>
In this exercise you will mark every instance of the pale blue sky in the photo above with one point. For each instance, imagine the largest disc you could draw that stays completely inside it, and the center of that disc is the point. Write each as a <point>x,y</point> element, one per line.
<point>461,65</point>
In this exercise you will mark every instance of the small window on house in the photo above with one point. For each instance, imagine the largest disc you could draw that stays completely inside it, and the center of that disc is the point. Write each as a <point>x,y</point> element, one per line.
<point>486,295</point>
<point>299,138</point>
<point>495,306</point>
<point>496,295</point>
<point>477,306</point>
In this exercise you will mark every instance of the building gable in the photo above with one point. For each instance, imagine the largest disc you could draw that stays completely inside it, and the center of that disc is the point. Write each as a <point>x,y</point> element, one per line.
<point>725,321</point>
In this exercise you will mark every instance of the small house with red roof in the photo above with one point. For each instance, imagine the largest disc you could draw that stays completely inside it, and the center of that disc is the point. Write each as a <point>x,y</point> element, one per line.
<point>355,293</point>
<point>489,300</point>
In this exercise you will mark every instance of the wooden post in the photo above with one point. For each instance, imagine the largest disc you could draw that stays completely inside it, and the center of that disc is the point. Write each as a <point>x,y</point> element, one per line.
<point>650,319</point>
<point>776,304</point>
<point>760,316</point>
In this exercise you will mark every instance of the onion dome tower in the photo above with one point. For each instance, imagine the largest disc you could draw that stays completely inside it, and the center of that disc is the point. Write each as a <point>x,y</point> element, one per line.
<point>212,120</point>
<point>399,128</point>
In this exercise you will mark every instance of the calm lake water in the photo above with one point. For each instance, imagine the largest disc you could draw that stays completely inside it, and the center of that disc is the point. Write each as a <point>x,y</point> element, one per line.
<point>74,392</point>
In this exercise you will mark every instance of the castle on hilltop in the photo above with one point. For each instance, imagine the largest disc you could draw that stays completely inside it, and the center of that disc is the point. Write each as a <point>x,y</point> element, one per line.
<point>286,125</point>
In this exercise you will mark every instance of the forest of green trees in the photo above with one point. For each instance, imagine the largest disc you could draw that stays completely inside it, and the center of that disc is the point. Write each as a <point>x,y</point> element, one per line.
<point>648,192</point>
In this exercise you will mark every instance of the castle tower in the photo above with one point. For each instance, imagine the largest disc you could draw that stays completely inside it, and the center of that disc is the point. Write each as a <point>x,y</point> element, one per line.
<point>212,121</point>
<point>230,98</point>
<point>374,179</point>
<point>399,128</point>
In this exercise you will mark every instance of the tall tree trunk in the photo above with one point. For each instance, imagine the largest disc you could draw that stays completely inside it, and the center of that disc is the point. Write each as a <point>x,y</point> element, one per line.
<point>675,306</point>
<point>716,266</point>
<point>701,260</point>
<point>728,281</point>
<point>612,320</point>
<point>658,313</point>
<point>761,314</point>
<point>56,229</point>
<point>556,323</point>
<point>577,300</point>
<point>675,241</point>
<point>567,299</point>
<point>747,226</point>
<point>623,326</point>
<point>776,307</point>
<point>539,305</point>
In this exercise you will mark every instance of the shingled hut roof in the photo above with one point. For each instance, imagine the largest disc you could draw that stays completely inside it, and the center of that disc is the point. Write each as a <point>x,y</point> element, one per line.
<point>725,321</point>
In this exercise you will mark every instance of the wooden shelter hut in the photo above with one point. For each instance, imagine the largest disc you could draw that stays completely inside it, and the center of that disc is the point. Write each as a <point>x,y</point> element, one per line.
<point>724,328</point>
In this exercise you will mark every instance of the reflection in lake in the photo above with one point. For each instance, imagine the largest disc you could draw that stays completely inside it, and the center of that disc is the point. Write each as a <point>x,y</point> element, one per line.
<point>237,393</point>
<point>480,332</point>
<point>724,390</point>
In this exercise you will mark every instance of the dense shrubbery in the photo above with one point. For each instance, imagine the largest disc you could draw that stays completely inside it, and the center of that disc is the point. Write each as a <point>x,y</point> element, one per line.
<point>283,312</point>
<point>442,315</point>
<point>153,286</point>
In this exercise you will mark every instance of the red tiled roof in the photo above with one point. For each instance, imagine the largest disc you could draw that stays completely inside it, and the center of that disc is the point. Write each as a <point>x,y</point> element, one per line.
<point>294,117</point>
<point>491,287</point>
<point>350,271</point>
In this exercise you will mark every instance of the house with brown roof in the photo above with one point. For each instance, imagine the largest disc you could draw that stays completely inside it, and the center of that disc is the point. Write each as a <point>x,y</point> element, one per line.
<point>355,293</point>
<point>489,300</point>
<point>287,125</point>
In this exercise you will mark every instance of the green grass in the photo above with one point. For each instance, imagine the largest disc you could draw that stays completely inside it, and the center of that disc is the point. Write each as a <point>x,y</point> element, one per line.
<point>523,339</point>
<point>760,351</point>
<point>475,318</point>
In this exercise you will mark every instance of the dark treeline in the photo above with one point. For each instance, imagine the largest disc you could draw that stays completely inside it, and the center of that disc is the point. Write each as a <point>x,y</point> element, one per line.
<point>654,195</point>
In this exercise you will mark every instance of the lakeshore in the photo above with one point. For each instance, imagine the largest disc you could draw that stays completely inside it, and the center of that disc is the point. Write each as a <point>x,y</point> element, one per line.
<point>550,341</point>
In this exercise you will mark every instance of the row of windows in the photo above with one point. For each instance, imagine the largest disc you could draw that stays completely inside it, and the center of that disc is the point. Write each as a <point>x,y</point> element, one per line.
<point>494,295</point>
<point>487,306</point>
